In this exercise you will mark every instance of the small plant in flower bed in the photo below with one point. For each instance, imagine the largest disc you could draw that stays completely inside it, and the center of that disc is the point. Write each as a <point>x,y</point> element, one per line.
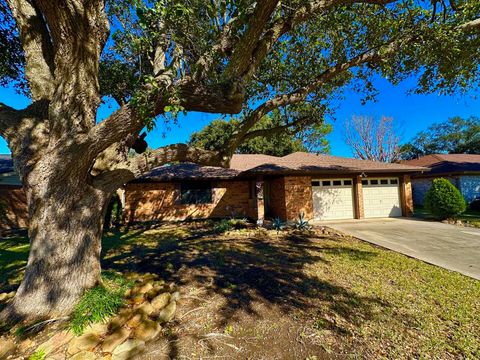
<point>230,224</point>
<point>100,302</point>
<point>278,224</point>
<point>301,223</point>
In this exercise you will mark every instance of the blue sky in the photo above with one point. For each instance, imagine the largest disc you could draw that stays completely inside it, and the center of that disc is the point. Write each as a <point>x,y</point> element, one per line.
<point>412,112</point>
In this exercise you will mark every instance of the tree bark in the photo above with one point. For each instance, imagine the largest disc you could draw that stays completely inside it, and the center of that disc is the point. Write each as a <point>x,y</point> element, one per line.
<point>65,230</point>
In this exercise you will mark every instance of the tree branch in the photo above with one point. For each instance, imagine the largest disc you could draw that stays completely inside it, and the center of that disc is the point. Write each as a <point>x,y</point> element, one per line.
<point>131,168</point>
<point>242,54</point>
<point>9,118</point>
<point>37,46</point>
<point>301,93</point>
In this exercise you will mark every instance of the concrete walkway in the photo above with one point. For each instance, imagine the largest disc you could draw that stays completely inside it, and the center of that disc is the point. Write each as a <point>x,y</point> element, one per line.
<point>449,246</point>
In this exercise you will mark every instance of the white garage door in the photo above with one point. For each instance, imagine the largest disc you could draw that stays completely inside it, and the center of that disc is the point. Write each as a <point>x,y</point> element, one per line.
<point>381,197</point>
<point>332,199</point>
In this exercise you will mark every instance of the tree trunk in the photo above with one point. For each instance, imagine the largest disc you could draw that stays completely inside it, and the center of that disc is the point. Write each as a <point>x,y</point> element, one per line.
<point>65,229</point>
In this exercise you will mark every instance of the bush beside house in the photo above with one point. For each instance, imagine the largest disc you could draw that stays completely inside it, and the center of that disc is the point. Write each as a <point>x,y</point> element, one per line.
<point>444,200</point>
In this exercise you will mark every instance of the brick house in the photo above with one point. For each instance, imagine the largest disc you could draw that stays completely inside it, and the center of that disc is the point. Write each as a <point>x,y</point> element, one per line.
<point>255,186</point>
<point>261,186</point>
<point>463,170</point>
<point>12,197</point>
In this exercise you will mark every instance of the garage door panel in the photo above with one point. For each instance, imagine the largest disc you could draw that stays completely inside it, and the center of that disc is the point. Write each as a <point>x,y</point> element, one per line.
<point>333,202</point>
<point>381,200</point>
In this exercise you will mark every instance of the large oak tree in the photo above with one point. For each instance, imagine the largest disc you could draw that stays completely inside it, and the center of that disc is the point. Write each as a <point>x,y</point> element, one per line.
<point>158,58</point>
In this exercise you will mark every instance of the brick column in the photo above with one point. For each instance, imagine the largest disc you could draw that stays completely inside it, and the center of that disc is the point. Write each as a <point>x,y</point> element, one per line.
<point>260,202</point>
<point>406,195</point>
<point>358,197</point>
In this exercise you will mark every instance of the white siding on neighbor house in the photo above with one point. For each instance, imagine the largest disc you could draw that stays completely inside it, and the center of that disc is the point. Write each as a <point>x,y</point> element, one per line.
<point>470,187</point>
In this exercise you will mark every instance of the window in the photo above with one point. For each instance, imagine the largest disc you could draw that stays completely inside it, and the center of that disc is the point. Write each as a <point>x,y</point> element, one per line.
<point>374,182</point>
<point>347,182</point>
<point>384,181</point>
<point>394,181</point>
<point>326,183</point>
<point>337,182</point>
<point>364,182</point>
<point>196,193</point>
<point>315,183</point>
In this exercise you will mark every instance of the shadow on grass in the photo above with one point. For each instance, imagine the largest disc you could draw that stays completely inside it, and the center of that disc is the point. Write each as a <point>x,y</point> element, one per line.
<point>245,269</point>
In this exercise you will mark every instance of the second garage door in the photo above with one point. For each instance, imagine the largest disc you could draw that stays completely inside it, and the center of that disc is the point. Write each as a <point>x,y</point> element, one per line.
<point>381,197</point>
<point>332,199</point>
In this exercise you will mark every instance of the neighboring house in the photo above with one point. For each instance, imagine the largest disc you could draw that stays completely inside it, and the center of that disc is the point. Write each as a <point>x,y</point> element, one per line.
<point>463,170</point>
<point>13,203</point>
<point>261,186</point>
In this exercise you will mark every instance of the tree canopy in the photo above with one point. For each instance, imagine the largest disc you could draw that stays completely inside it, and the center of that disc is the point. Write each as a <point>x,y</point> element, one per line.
<point>454,136</point>
<point>158,58</point>
<point>216,135</point>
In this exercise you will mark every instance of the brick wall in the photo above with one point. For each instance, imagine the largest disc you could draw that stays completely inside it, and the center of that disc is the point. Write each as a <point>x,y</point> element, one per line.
<point>298,197</point>
<point>158,201</point>
<point>16,209</point>
<point>406,196</point>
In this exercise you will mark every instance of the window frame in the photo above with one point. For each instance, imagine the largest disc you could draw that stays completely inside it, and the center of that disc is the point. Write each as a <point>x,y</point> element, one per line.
<point>195,196</point>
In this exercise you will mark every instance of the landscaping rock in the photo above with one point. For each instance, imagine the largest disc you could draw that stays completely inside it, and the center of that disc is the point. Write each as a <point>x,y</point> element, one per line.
<point>175,296</point>
<point>145,309</point>
<point>123,316</point>
<point>145,288</point>
<point>115,339</point>
<point>55,342</point>
<point>160,301</point>
<point>128,350</point>
<point>84,355</point>
<point>152,293</point>
<point>86,342</point>
<point>137,299</point>
<point>135,320</point>
<point>167,313</point>
<point>7,347</point>
<point>97,329</point>
<point>146,330</point>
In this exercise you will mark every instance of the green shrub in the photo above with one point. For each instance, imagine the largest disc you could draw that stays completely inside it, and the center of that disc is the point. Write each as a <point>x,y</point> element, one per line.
<point>100,302</point>
<point>222,226</point>
<point>444,200</point>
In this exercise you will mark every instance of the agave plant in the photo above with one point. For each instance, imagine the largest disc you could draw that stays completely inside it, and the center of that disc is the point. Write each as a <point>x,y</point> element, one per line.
<point>278,224</point>
<point>301,223</point>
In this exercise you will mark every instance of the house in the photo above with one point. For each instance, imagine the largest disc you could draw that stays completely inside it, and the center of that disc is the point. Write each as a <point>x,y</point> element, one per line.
<point>257,186</point>
<point>13,203</point>
<point>463,170</point>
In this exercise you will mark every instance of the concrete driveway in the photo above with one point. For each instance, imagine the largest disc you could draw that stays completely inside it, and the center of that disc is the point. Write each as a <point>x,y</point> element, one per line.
<point>449,246</point>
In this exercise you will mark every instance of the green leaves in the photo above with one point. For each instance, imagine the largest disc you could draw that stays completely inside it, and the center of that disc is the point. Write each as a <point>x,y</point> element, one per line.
<point>444,200</point>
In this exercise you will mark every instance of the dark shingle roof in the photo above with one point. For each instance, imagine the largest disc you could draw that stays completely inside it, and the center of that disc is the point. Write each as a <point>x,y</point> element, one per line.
<point>448,163</point>
<point>6,163</point>
<point>253,164</point>
<point>186,171</point>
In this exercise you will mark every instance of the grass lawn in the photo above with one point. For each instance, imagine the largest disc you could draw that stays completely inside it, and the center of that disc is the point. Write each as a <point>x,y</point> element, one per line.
<point>259,294</point>
<point>470,216</point>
